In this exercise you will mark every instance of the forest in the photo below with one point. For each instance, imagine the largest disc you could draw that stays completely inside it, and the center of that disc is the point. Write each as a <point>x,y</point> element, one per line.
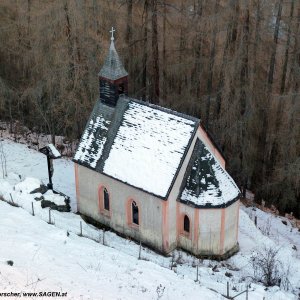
<point>235,64</point>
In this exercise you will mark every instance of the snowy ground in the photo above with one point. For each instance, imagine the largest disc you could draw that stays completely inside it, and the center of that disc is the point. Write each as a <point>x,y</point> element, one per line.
<point>54,258</point>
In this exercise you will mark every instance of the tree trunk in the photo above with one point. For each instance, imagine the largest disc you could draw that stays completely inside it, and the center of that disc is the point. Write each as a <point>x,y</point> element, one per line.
<point>155,56</point>
<point>128,37</point>
<point>287,47</point>
<point>211,64</point>
<point>164,56</point>
<point>274,50</point>
<point>145,52</point>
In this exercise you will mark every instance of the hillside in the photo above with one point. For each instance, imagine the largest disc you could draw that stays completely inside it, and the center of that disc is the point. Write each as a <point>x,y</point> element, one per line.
<point>54,258</point>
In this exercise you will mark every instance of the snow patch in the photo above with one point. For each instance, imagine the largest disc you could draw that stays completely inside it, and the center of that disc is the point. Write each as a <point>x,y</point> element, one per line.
<point>28,185</point>
<point>55,198</point>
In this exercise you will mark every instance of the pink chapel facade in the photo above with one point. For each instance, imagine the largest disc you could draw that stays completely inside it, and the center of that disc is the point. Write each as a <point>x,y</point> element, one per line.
<point>163,224</point>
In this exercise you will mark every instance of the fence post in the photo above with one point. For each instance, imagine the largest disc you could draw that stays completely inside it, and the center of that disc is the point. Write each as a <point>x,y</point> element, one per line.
<point>12,201</point>
<point>80,228</point>
<point>197,268</point>
<point>247,293</point>
<point>140,250</point>
<point>32,208</point>
<point>255,221</point>
<point>103,236</point>
<point>49,215</point>
<point>228,289</point>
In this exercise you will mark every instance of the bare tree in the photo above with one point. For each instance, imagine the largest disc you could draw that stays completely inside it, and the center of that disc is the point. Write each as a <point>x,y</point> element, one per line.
<point>3,160</point>
<point>267,266</point>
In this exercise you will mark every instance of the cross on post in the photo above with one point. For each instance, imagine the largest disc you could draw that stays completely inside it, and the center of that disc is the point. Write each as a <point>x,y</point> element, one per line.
<point>112,33</point>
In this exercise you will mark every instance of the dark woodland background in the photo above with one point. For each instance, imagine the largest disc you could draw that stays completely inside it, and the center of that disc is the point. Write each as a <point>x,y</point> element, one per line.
<point>233,63</point>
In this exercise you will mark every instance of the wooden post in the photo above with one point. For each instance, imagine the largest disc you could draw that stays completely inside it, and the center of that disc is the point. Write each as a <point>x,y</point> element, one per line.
<point>247,292</point>
<point>80,228</point>
<point>140,250</point>
<point>12,201</point>
<point>103,236</point>
<point>32,208</point>
<point>197,268</point>
<point>50,185</point>
<point>255,221</point>
<point>49,215</point>
<point>172,261</point>
<point>227,289</point>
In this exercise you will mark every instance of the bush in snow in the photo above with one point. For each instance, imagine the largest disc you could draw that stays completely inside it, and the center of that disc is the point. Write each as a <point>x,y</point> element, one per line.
<point>269,269</point>
<point>10,262</point>
<point>160,291</point>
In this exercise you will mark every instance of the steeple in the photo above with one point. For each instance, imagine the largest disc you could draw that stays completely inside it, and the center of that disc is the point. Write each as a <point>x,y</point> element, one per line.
<point>113,78</point>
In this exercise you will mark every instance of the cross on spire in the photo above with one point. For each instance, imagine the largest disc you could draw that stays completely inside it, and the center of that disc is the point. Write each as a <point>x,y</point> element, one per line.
<point>112,33</point>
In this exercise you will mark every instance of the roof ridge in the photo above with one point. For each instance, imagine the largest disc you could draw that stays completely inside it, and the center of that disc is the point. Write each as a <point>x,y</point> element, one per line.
<point>162,108</point>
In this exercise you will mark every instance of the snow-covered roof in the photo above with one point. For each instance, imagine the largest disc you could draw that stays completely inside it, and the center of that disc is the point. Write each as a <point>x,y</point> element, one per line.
<point>55,153</point>
<point>206,183</point>
<point>50,151</point>
<point>140,144</point>
<point>93,140</point>
<point>148,148</point>
<point>113,68</point>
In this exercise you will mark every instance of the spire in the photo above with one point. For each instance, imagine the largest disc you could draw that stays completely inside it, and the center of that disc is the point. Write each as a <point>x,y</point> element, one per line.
<point>113,68</point>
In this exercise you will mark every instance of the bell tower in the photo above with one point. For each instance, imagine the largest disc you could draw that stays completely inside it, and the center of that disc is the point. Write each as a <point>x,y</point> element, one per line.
<point>113,78</point>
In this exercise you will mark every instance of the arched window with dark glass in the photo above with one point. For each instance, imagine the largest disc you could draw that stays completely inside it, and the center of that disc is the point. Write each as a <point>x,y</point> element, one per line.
<point>135,213</point>
<point>186,224</point>
<point>106,199</point>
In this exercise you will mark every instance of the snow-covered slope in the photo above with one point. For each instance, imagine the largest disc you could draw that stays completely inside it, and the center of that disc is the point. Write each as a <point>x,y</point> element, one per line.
<point>46,258</point>
<point>30,163</point>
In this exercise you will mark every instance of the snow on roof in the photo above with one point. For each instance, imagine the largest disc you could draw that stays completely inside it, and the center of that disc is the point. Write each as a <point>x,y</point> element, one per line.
<point>207,183</point>
<point>54,151</point>
<point>137,143</point>
<point>93,140</point>
<point>148,148</point>
<point>113,68</point>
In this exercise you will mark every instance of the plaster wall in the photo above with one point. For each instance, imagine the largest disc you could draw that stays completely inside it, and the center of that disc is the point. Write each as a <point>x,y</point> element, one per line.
<point>205,230</point>
<point>207,141</point>
<point>231,226</point>
<point>173,196</point>
<point>213,231</point>
<point>209,231</point>
<point>186,240</point>
<point>151,208</point>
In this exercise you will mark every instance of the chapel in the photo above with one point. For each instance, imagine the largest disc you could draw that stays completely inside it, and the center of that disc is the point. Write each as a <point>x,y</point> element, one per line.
<point>153,174</point>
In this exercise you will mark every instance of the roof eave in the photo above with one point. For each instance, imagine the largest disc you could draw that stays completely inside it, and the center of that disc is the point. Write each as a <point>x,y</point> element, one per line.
<point>183,158</point>
<point>209,205</point>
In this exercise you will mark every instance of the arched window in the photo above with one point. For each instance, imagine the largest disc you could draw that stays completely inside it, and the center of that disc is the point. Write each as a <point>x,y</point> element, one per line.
<point>106,199</point>
<point>135,213</point>
<point>186,224</point>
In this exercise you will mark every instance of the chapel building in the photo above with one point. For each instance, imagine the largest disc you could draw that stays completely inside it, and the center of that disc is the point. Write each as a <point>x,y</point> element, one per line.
<point>154,174</point>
